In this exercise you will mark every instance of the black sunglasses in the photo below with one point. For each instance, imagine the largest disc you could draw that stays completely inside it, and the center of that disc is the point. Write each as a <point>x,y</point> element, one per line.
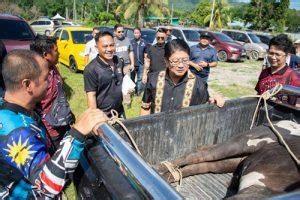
<point>160,38</point>
<point>120,31</point>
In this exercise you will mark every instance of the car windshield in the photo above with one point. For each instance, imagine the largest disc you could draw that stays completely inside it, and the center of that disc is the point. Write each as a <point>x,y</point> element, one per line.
<point>223,37</point>
<point>15,30</point>
<point>254,38</point>
<point>191,35</point>
<point>81,37</point>
<point>148,35</point>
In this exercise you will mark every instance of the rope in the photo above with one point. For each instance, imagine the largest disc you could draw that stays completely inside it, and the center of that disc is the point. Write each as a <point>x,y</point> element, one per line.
<point>175,172</point>
<point>265,96</point>
<point>116,120</point>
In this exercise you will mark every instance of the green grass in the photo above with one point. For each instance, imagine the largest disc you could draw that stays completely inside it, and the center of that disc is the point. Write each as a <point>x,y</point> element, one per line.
<point>232,90</point>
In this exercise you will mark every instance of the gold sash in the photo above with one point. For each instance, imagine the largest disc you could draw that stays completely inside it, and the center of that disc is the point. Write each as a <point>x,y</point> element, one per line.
<point>188,91</point>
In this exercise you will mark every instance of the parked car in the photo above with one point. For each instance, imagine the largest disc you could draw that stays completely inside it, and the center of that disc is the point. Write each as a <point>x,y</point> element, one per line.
<point>255,49</point>
<point>226,47</point>
<point>71,44</point>
<point>189,35</point>
<point>128,32</point>
<point>264,38</point>
<point>148,35</point>
<point>69,23</point>
<point>43,26</point>
<point>15,32</point>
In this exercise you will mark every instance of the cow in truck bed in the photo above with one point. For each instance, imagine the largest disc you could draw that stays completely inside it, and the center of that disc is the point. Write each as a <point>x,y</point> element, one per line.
<point>263,164</point>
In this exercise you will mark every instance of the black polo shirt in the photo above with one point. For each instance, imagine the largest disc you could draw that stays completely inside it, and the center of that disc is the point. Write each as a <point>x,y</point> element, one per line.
<point>173,94</point>
<point>107,84</point>
<point>157,60</point>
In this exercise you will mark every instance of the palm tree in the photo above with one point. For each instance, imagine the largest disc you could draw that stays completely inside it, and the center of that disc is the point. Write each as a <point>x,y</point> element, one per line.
<point>140,8</point>
<point>220,15</point>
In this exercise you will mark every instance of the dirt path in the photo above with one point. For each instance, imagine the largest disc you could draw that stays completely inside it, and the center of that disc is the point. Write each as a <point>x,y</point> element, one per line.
<point>241,77</point>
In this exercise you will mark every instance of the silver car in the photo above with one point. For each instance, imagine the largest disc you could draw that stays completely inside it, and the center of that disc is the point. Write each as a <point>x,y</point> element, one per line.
<point>255,49</point>
<point>189,35</point>
<point>43,26</point>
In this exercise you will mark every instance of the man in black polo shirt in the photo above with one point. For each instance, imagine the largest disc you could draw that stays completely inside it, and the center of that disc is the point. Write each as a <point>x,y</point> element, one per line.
<point>103,77</point>
<point>155,61</point>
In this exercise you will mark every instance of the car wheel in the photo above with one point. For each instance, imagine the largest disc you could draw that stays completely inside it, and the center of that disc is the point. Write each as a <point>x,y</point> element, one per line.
<point>222,56</point>
<point>47,32</point>
<point>73,65</point>
<point>253,55</point>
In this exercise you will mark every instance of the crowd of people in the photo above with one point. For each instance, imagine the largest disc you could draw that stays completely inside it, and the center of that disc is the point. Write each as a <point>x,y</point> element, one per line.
<point>41,141</point>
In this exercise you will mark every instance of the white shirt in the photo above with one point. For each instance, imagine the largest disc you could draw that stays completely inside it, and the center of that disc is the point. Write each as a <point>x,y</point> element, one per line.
<point>91,50</point>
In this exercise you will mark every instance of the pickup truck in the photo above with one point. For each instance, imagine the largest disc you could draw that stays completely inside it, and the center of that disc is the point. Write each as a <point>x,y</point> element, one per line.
<point>120,173</point>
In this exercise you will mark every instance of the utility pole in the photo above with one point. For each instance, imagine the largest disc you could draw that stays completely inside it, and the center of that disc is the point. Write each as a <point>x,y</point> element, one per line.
<point>74,11</point>
<point>171,20</point>
<point>212,14</point>
<point>107,6</point>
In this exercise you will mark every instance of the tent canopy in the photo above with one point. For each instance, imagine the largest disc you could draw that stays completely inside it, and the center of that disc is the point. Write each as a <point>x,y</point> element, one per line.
<point>58,17</point>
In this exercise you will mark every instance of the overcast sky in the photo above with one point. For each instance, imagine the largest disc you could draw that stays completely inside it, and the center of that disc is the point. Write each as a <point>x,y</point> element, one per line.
<point>293,3</point>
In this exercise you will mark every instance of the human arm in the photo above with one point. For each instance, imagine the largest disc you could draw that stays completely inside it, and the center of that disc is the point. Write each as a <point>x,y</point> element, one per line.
<point>147,99</point>
<point>91,99</point>
<point>131,57</point>
<point>146,69</point>
<point>218,100</point>
<point>49,173</point>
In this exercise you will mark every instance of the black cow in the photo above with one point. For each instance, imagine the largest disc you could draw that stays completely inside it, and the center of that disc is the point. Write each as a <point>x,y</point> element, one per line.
<point>264,165</point>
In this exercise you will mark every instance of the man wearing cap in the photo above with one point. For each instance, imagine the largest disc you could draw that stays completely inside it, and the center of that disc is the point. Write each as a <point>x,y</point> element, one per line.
<point>297,47</point>
<point>203,56</point>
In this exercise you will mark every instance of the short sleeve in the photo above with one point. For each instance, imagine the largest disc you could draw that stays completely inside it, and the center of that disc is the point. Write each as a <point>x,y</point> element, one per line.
<point>87,48</point>
<point>90,79</point>
<point>214,57</point>
<point>130,46</point>
<point>147,97</point>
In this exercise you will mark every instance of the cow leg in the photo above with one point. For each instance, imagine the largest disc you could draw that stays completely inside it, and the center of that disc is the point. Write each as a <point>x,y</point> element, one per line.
<point>221,166</point>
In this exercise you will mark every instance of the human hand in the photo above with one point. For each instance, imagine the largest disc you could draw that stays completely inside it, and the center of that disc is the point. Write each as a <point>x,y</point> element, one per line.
<point>90,120</point>
<point>218,100</point>
<point>131,67</point>
<point>203,64</point>
<point>144,79</point>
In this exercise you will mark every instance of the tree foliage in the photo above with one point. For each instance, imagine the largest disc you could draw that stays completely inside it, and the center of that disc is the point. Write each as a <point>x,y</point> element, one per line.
<point>202,10</point>
<point>138,9</point>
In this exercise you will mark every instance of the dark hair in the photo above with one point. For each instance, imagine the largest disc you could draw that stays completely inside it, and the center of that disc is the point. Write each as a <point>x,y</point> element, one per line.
<point>117,26</point>
<point>42,44</point>
<point>95,28</point>
<point>18,65</point>
<point>176,45</point>
<point>137,28</point>
<point>102,34</point>
<point>282,42</point>
<point>161,30</point>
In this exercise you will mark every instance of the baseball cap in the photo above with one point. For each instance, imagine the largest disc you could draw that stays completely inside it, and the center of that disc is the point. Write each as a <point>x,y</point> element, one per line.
<point>205,35</point>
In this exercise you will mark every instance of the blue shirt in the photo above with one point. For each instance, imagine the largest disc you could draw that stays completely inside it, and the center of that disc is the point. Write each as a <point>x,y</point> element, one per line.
<point>207,55</point>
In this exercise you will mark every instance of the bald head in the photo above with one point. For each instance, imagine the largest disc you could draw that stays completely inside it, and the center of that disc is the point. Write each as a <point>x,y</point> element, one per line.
<point>19,65</point>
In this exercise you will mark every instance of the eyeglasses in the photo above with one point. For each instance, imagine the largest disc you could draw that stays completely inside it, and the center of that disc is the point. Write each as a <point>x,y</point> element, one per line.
<point>177,61</point>
<point>277,55</point>
<point>160,38</point>
<point>120,31</point>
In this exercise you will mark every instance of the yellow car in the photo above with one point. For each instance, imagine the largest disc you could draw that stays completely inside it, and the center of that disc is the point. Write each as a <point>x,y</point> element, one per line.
<point>71,44</point>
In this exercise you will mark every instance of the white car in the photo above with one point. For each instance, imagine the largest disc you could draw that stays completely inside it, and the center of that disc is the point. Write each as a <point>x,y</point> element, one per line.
<point>43,26</point>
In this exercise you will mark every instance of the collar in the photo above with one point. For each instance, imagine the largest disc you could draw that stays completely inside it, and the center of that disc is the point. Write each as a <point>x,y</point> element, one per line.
<point>280,72</point>
<point>186,76</point>
<point>102,63</point>
<point>162,47</point>
<point>16,108</point>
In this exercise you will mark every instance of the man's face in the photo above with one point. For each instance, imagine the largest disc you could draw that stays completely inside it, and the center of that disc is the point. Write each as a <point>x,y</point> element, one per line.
<point>119,33</point>
<point>106,47</point>
<point>137,34</point>
<point>40,85</point>
<point>276,57</point>
<point>52,56</point>
<point>169,30</point>
<point>95,31</point>
<point>179,63</point>
<point>161,37</point>
<point>204,41</point>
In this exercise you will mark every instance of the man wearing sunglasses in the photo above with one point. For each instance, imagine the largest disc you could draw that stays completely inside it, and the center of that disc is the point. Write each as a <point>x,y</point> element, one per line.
<point>169,31</point>
<point>124,51</point>
<point>155,61</point>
